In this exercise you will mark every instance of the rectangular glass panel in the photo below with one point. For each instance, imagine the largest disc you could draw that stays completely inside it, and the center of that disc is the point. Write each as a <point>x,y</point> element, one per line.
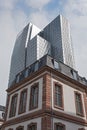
<point>58,95</point>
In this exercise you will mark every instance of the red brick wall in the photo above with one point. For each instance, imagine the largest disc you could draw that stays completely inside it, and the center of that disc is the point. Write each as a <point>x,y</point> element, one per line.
<point>46,123</point>
<point>46,92</point>
<point>85,102</point>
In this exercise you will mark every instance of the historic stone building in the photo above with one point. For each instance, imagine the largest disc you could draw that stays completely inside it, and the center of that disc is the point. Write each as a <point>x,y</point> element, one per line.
<point>46,95</point>
<point>50,96</point>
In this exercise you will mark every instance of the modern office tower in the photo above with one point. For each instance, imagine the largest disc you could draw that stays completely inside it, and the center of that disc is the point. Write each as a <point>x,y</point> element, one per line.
<point>37,48</point>
<point>58,34</point>
<point>18,60</point>
<point>27,45</point>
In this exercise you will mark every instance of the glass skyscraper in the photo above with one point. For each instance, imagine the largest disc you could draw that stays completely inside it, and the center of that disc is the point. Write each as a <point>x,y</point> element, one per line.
<point>58,34</point>
<point>18,60</point>
<point>32,44</point>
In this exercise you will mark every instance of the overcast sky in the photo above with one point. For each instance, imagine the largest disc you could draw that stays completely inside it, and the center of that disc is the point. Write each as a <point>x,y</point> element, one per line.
<point>15,14</point>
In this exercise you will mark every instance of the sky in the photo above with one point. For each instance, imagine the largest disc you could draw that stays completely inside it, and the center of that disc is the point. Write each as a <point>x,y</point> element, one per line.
<point>15,14</point>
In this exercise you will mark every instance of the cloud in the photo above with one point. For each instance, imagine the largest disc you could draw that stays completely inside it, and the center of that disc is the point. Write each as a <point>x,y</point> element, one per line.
<point>37,4</point>
<point>39,18</point>
<point>20,20</point>
<point>7,34</point>
<point>76,7</point>
<point>7,4</point>
<point>11,22</point>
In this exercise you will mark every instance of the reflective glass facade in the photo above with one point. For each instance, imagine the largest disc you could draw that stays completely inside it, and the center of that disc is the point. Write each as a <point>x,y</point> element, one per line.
<point>18,60</point>
<point>32,44</point>
<point>58,34</point>
<point>37,48</point>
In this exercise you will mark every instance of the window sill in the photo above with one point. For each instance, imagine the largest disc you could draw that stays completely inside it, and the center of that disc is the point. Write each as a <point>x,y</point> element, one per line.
<point>80,114</point>
<point>21,112</point>
<point>32,108</point>
<point>57,107</point>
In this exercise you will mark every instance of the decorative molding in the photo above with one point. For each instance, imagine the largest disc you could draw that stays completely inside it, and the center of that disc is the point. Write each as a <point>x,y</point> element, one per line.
<point>47,69</point>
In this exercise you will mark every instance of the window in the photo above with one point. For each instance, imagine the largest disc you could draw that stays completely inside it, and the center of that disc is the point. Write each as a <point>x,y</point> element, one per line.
<point>20,128</point>
<point>78,101</point>
<point>32,126</point>
<point>17,78</point>
<point>26,72</point>
<point>36,66</point>
<point>34,96</point>
<point>59,126</point>
<point>22,75</point>
<point>56,65</point>
<point>13,106</point>
<point>58,96</point>
<point>23,98</point>
<point>74,74</point>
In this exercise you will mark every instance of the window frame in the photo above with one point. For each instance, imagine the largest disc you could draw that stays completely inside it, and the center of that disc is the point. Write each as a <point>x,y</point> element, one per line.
<point>10,113</point>
<point>31,124</point>
<point>19,127</point>
<point>59,124</point>
<point>22,111</point>
<point>77,113</point>
<point>62,97</point>
<point>30,106</point>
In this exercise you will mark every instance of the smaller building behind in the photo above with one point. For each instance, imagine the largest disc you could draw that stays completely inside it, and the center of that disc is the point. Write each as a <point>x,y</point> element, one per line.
<point>2,115</point>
